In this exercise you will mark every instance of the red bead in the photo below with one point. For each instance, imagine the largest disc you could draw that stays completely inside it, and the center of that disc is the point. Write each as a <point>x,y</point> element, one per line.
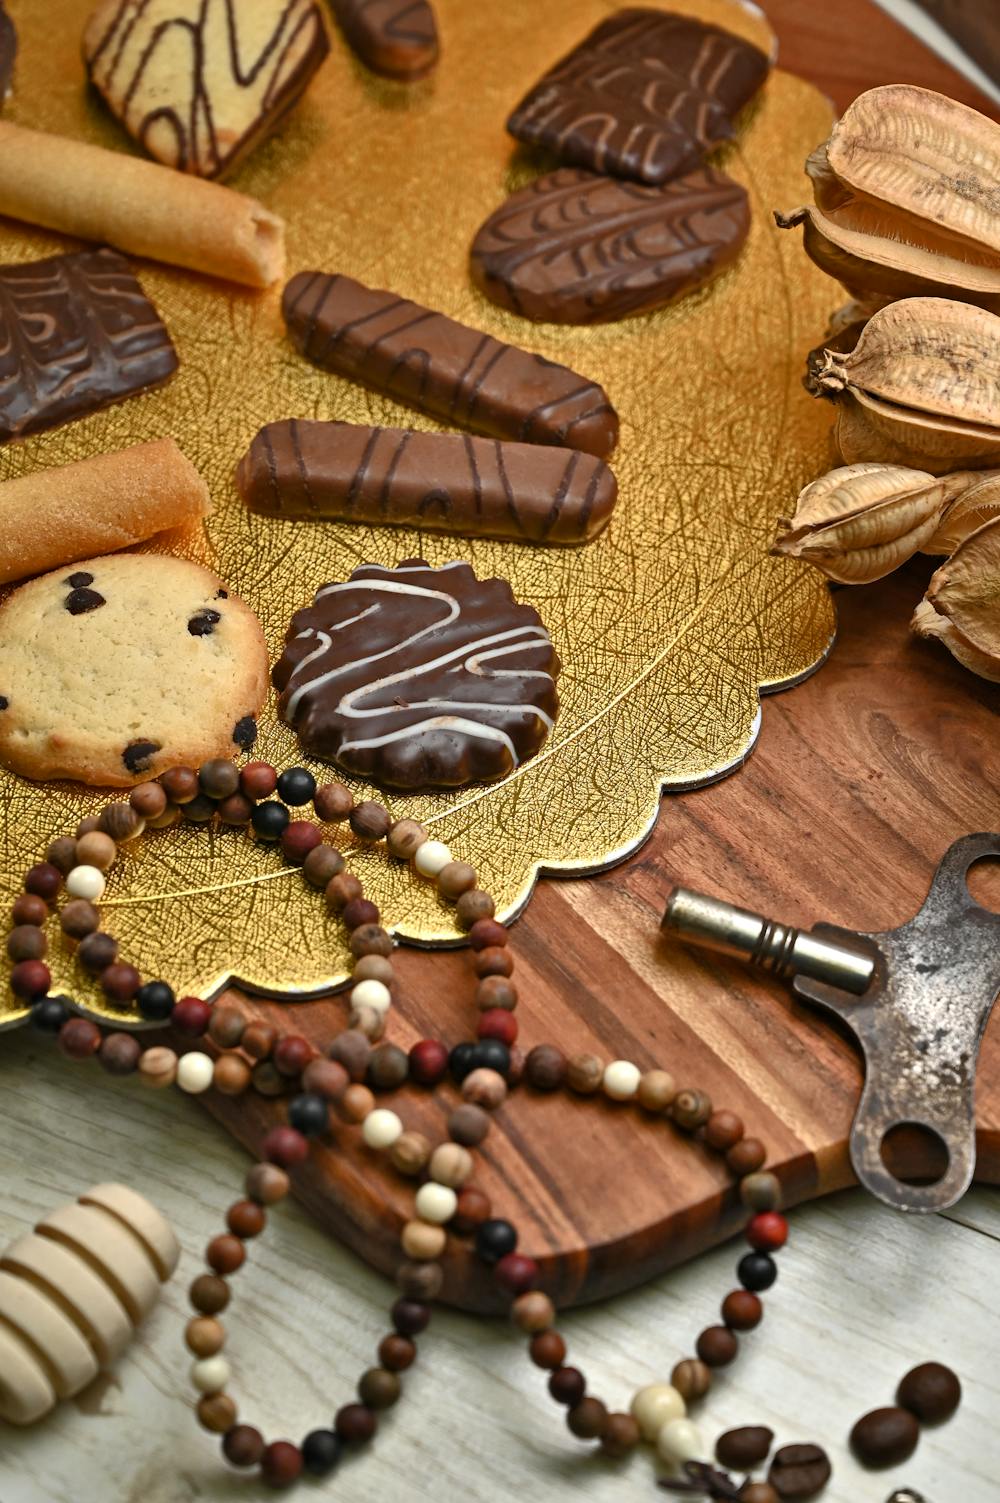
<point>567,1385</point>
<point>498,1023</point>
<point>258,780</point>
<point>298,839</point>
<point>285,1147</point>
<point>516,1274</point>
<point>30,979</point>
<point>79,1038</point>
<point>486,933</point>
<point>243,1445</point>
<point>472,1209</point>
<point>428,1062</point>
<point>191,1016</point>
<point>281,1464</point>
<point>767,1231</point>
<point>360,911</point>
<point>225,1254</point>
<point>291,1054</point>
<point>742,1310</point>
<point>120,983</point>
<point>44,880</point>
<point>29,909</point>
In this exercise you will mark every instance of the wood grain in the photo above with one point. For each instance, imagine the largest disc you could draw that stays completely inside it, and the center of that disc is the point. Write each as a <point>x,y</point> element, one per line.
<point>974,25</point>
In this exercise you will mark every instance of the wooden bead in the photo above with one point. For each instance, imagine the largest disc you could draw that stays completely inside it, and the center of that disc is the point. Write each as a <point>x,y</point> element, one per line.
<point>79,918</point>
<point>355,1423</point>
<point>496,991</point>
<point>690,1109</point>
<point>325,1077</point>
<point>495,960</point>
<point>267,1184</point>
<point>410,1152</point>
<point>621,1436</point>
<point>547,1349</point>
<point>717,1346</point>
<point>373,968</point>
<point>472,1210</point>
<point>533,1312</point>
<point>180,784</point>
<point>742,1310</point>
<point>588,1419</point>
<point>368,1020</point>
<point>259,1039</point>
<point>148,800</point>
<point>281,1464</point>
<point>225,1254</point>
<point>119,1053</point>
<point>322,864</point>
<point>485,1088</point>
<point>435,1203</point>
<point>97,951</point>
<point>723,1131</point>
<point>656,1090</point>
<point>86,825</point>
<point>291,1054</point>
<point>216,1412</point>
<point>297,839</point>
<point>361,911</point>
<point>379,1388</point>
<point>333,803</point>
<point>621,1080</point>
<point>96,849</point>
<point>397,1353</point>
<point>370,820</point>
<point>545,1067</point>
<point>43,880</point>
<point>567,1385</point>
<point>266,1081</point>
<point>473,906</point>
<point>204,1336</point>
<point>29,908</point>
<point>370,939</point>
<point>420,1280</point>
<point>487,934</point>
<point>158,1067</point>
<point>353,1051</point>
<point>79,1038</point>
<point>120,821</point>
<point>468,1124</point>
<point>243,1446</point>
<point>119,983</point>
<point>26,942</point>
<point>218,778</point>
<point>194,1072</point>
<point>430,858</point>
<point>209,1294</point>
<point>405,838</point>
<point>455,878</point>
<point>246,1219</point>
<point>692,1379</point>
<point>381,1128</point>
<point>170,816</point>
<point>342,890</point>
<point>746,1156</point>
<point>355,1104</point>
<point>585,1074</point>
<point>655,1406</point>
<point>451,1165</point>
<point>61,853</point>
<point>423,1242</point>
<point>760,1191</point>
<point>227,1027</point>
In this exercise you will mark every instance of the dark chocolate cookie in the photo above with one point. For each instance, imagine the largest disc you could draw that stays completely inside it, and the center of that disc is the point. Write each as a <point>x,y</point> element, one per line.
<point>419,677</point>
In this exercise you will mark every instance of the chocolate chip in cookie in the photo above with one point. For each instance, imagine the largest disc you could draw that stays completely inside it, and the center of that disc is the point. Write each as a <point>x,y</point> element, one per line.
<point>79,602</point>
<point>138,755</point>
<point>204,623</point>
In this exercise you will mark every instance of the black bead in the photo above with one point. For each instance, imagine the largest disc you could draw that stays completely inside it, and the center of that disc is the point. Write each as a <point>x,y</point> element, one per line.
<point>321,1450</point>
<point>410,1316</point>
<point>491,1054</point>
<point>50,1013</point>
<point>296,786</point>
<point>757,1271</point>
<point>460,1061</point>
<point>155,1001</point>
<point>495,1239</point>
<point>269,820</point>
<point>309,1114</point>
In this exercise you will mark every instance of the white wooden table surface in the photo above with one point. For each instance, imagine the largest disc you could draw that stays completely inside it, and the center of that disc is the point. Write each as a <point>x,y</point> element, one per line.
<point>863,1295</point>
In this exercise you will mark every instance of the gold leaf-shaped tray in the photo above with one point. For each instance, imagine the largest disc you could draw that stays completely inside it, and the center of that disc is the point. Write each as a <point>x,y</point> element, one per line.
<point>668,625</point>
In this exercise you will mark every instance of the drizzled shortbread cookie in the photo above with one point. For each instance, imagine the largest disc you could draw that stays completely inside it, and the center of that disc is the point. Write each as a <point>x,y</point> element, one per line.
<point>419,677</point>
<point>117,668</point>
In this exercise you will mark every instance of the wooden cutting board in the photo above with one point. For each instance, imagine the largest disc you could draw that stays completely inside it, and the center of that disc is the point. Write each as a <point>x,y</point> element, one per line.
<point>861,779</point>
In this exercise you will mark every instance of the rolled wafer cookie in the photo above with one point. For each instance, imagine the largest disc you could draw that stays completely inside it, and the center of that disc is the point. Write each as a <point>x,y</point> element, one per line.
<point>475,487</point>
<point>138,206</point>
<point>96,506</point>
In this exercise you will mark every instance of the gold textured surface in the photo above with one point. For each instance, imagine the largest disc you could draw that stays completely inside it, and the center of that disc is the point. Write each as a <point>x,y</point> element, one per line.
<point>667,625</point>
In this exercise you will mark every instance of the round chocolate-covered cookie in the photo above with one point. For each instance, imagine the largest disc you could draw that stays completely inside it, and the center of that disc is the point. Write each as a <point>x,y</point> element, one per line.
<point>419,677</point>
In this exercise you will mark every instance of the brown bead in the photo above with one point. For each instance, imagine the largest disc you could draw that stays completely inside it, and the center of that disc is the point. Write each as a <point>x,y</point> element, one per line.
<point>259,1039</point>
<point>86,825</point>
<point>158,1067</point>
<point>180,784</point>
<point>496,991</point>
<point>298,839</point>
<point>355,1104</point>
<point>355,1423</point>
<point>79,1038</point>
<point>353,1051</point>
<point>281,1464</point>
<point>325,1077</point>
<point>204,1336</point>
<point>488,934</point>
<point>243,1446</point>
<point>96,849</point>
<point>61,853</point>
<point>723,1131</point>
<point>258,780</point>
<point>333,803</point>
<point>232,1075</point>
<point>717,1346</point>
<point>692,1379</point>
<point>245,1219</point>
<point>371,939</point>
<point>119,983</point>
<point>547,1349</point>
<point>267,1184</point>
<point>370,821</point>
<point>373,968</point>
<point>746,1156</point>
<point>29,908</point>
<point>468,1124</point>
<point>420,1280</point>
<point>323,863</point>
<point>515,1070</point>
<point>397,1353</point>
<point>218,778</point>
<point>742,1311</point>
<point>533,1312</point>
<point>451,1165</point>
<point>455,878</point>
<point>235,810</point>
<point>405,838</point>
<point>148,800</point>
<point>379,1388</point>
<point>198,811</point>
<point>119,1053</point>
<point>690,1109</point>
<point>120,821</point>
<point>44,880</point>
<point>170,816</point>
<point>495,960</point>
<point>410,1152</point>
<point>343,889</point>
<point>267,1081</point>
<point>585,1074</point>
<point>225,1254</point>
<point>567,1385</point>
<point>388,1067</point>
<point>26,942</point>
<point>226,1027</point>
<point>97,951</point>
<point>209,1294</point>
<point>291,1054</point>
<point>79,918</point>
<point>216,1412</point>
<point>588,1419</point>
<point>761,1191</point>
<point>621,1436</point>
<point>485,1088</point>
<point>545,1067</point>
<point>473,906</point>
<point>472,1210</point>
<point>656,1090</point>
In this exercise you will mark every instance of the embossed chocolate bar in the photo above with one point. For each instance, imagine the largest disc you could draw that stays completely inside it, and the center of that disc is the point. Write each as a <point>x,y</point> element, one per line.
<point>76,334</point>
<point>576,248</point>
<point>645,96</point>
<point>446,482</point>
<point>443,367</point>
<point>395,37</point>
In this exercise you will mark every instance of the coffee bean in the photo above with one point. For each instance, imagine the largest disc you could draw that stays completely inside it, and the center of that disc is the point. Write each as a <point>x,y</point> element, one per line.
<point>78,602</point>
<point>137,755</point>
<point>204,623</point>
<point>743,1449</point>
<point>931,1391</point>
<point>885,1437</point>
<point>799,1471</point>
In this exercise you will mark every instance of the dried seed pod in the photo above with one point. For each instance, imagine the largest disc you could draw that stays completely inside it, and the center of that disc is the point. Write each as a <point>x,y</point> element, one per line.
<point>977,504</point>
<point>962,605</point>
<point>870,429</point>
<point>861,522</point>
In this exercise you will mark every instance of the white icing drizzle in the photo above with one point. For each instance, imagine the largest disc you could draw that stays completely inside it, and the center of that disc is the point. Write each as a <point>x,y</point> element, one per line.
<point>439,722</point>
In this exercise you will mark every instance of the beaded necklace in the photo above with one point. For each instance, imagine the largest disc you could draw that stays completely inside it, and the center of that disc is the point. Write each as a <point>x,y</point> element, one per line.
<point>344,1081</point>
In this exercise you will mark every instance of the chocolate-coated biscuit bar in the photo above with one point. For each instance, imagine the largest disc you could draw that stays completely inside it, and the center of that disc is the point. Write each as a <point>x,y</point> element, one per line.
<point>445,368</point>
<point>446,482</point>
<point>397,38</point>
<point>645,96</point>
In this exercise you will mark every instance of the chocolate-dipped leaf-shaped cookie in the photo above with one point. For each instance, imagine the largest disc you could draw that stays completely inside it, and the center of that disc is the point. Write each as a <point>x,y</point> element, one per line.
<point>397,38</point>
<point>419,677</point>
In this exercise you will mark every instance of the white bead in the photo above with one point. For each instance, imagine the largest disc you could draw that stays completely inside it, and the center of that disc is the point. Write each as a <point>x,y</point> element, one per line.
<point>211,1374</point>
<point>371,994</point>
<point>86,882</point>
<point>654,1405</point>
<point>381,1128</point>
<point>679,1441</point>
<point>194,1072</point>
<point>621,1080</point>
<point>436,1203</point>
<point>431,857</point>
